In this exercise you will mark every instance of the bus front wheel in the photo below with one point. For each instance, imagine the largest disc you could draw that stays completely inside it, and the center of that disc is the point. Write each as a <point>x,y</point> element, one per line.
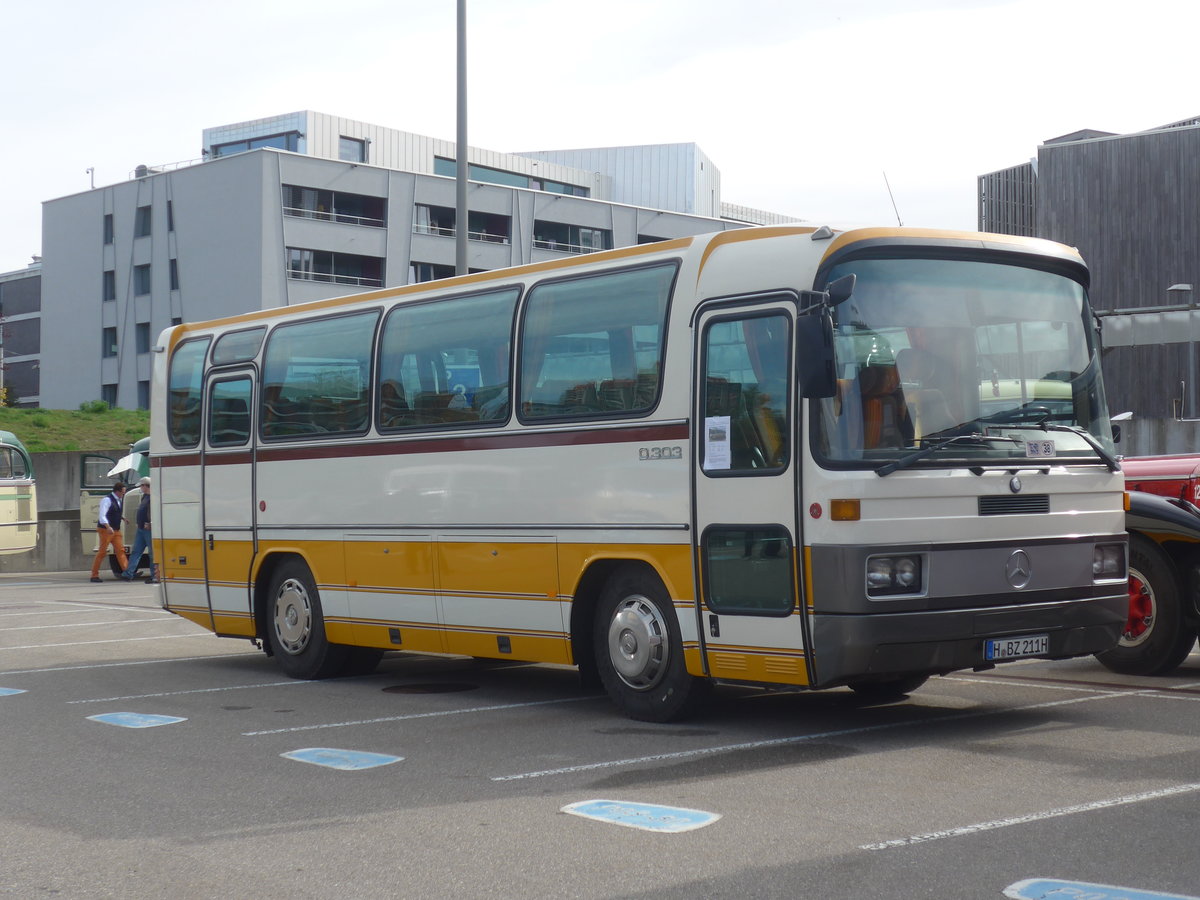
<point>296,626</point>
<point>639,650</point>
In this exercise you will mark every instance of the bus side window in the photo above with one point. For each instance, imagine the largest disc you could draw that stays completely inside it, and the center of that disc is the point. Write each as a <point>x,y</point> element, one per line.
<point>592,345</point>
<point>184,392</point>
<point>446,363</point>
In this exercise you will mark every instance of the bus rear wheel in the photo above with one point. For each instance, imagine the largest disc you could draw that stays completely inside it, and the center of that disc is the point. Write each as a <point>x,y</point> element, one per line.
<point>296,625</point>
<point>639,650</point>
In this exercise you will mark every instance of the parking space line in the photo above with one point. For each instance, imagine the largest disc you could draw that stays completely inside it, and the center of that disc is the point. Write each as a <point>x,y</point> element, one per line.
<point>1032,684</point>
<point>803,738</point>
<point>79,624</point>
<point>424,715</point>
<point>163,637</point>
<point>1034,817</point>
<point>215,690</point>
<point>118,665</point>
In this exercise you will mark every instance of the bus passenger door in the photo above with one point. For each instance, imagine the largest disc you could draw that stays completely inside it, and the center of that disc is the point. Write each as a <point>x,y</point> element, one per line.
<point>228,514</point>
<point>745,475</point>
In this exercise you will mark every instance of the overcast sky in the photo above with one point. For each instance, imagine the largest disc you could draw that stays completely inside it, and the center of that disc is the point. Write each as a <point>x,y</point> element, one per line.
<point>802,105</point>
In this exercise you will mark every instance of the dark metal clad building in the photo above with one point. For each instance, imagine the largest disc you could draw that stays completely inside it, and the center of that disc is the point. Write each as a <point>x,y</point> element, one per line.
<point>1129,203</point>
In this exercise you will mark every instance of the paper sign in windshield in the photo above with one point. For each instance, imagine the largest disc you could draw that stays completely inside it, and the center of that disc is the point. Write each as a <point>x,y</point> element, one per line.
<point>716,442</point>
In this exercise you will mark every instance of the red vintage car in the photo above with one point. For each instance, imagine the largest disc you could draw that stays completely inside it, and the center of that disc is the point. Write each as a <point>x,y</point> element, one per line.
<point>1163,521</point>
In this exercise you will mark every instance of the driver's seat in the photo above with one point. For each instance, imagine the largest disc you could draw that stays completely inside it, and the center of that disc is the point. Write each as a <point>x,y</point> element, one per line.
<point>927,406</point>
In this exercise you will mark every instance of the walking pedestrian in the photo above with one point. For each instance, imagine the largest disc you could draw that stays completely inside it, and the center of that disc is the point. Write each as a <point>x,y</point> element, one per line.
<point>108,527</point>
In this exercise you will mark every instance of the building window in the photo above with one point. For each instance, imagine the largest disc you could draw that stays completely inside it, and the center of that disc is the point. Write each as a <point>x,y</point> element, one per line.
<point>352,149</point>
<point>287,141</point>
<point>110,285</point>
<point>420,272</point>
<point>337,268</point>
<point>334,206</point>
<point>170,215</point>
<point>173,268</point>
<point>108,228</point>
<point>143,395</point>
<point>141,279</point>
<point>176,320</point>
<point>141,222</point>
<point>143,337</point>
<point>440,220</point>
<point>570,238</point>
<point>447,167</point>
<point>108,342</point>
<point>108,393</point>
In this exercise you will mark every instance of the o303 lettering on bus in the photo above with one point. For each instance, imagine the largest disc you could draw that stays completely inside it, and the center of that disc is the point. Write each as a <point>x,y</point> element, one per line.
<point>652,453</point>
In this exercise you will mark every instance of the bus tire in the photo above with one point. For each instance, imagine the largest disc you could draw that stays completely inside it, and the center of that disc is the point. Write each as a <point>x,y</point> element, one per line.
<point>639,650</point>
<point>887,689</point>
<point>1155,640</point>
<point>296,625</point>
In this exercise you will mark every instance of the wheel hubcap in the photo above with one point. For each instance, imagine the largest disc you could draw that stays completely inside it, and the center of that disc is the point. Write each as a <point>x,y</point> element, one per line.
<point>293,616</point>
<point>637,643</point>
<point>1141,611</point>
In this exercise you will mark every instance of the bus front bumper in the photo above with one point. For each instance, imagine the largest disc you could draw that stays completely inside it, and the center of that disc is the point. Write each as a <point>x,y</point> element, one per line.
<point>893,645</point>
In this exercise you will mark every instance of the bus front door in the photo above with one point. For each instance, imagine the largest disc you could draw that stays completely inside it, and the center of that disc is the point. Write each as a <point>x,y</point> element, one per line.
<point>746,466</point>
<point>228,516</point>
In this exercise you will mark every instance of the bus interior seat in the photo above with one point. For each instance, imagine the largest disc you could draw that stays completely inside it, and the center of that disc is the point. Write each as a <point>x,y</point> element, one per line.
<point>882,410</point>
<point>393,408</point>
<point>927,405</point>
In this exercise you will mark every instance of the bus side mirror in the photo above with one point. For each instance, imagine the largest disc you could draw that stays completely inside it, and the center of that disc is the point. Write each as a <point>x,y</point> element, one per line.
<point>814,355</point>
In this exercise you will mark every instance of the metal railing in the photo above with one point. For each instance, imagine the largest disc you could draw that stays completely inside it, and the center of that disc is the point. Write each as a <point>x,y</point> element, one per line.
<point>329,278</point>
<point>334,216</point>
<point>485,237</point>
<point>548,244</point>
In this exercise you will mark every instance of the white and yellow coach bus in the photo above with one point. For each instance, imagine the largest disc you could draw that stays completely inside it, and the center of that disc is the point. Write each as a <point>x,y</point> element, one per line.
<point>713,459</point>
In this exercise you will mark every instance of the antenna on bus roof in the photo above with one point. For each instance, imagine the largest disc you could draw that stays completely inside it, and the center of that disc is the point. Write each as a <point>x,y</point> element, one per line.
<point>893,199</point>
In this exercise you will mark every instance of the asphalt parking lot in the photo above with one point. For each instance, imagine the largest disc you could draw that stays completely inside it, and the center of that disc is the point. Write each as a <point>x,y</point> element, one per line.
<point>144,757</point>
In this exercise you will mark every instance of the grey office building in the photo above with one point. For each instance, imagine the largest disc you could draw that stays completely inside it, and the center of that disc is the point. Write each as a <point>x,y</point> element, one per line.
<point>305,206</point>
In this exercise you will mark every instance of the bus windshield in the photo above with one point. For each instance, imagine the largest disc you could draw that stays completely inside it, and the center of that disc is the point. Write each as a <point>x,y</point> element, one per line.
<point>993,362</point>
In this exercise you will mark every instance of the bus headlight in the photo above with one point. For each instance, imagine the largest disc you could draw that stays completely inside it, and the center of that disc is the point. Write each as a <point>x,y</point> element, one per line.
<point>888,575</point>
<point>1108,562</point>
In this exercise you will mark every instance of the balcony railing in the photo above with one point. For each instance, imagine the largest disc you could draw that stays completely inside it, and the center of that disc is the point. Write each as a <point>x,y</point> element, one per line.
<point>333,217</point>
<point>547,244</point>
<point>328,278</point>
<point>485,237</point>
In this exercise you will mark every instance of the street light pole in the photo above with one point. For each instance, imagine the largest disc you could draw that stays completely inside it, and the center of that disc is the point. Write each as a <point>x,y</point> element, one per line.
<point>460,150</point>
<point>1190,413</point>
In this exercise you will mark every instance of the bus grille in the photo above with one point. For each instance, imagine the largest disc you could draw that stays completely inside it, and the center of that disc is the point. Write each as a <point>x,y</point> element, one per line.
<point>1014,506</point>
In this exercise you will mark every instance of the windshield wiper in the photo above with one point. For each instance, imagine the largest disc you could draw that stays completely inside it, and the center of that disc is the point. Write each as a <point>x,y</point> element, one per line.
<point>905,461</point>
<point>1108,458</point>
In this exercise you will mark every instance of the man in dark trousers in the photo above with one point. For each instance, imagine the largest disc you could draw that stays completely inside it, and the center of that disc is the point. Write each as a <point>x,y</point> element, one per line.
<point>142,541</point>
<point>108,527</point>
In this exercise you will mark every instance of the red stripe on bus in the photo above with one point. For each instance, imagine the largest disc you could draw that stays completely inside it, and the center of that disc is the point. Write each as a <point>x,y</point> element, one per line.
<point>499,441</point>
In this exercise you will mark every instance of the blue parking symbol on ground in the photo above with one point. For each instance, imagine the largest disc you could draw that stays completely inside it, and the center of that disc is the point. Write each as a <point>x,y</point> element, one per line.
<point>1056,889</point>
<point>8,692</point>
<point>135,720</point>
<point>346,760</point>
<point>646,816</point>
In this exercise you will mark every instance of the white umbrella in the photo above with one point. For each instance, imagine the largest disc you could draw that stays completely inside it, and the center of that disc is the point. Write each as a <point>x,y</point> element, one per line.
<point>125,463</point>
